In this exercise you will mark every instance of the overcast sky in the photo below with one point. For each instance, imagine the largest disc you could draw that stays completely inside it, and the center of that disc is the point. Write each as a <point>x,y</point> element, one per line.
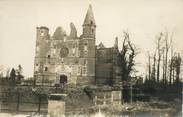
<point>143,19</point>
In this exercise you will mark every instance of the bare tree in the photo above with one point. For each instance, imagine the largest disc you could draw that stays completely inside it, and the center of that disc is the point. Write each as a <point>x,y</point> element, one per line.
<point>170,70</point>
<point>167,47</point>
<point>128,53</point>
<point>153,73</point>
<point>149,66</point>
<point>123,58</point>
<point>163,65</point>
<point>171,66</point>
<point>13,74</point>
<point>159,51</point>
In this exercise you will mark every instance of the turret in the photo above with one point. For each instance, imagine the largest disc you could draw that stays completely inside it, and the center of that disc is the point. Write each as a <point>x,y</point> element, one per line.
<point>42,49</point>
<point>87,49</point>
<point>89,25</point>
<point>42,41</point>
<point>42,32</point>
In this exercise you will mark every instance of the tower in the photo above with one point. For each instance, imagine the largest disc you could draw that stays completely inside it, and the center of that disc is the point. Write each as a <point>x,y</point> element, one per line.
<point>89,25</point>
<point>87,48</point>
<point>41,54</point>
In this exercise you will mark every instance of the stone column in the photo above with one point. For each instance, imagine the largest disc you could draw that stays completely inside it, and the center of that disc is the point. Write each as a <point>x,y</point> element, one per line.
<point>56,105</point>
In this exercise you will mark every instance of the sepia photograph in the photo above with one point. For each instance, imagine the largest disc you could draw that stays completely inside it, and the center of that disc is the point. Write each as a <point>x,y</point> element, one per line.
<point>91,58</point>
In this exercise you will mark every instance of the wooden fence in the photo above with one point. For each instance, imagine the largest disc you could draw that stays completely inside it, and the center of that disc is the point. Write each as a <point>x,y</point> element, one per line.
<point>11,102</point>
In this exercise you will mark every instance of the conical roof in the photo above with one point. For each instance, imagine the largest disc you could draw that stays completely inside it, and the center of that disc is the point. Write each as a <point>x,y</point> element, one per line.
<point>89,18</point>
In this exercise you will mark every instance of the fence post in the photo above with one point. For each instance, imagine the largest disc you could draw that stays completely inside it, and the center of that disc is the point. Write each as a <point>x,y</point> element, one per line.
<point>0,105</point>
<point>131,94</point>
<point>18,101</point>
<point>39,104</point>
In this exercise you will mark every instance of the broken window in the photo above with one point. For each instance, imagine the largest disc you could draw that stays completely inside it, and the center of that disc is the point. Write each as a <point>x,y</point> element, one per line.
<point>42,33</point>
<point>49,56</point>
<point>64,38</point>
<point>92,31</point>
<point>85,62</point>
<point>46,69</point>
<point>74,49</point>
<point>37,48</point>
<point>85,48</point>
<point>37,67</point>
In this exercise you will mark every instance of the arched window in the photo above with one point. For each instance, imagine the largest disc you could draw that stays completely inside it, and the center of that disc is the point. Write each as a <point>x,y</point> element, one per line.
<point>92,31</point>
<point>64,38</point>
<point>48,56</point>
<point>42,33</point>
<point>37,48</point>
<point>85,62</point>
<point>37,67</point>
<point>46,69</point>
<point>85,47</point>
<point>74,48</point>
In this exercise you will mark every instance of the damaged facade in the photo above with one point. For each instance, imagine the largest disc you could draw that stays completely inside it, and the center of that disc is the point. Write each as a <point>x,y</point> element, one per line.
<point>74,59</point>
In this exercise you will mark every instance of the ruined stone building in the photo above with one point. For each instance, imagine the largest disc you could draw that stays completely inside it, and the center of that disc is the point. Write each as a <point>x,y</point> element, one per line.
<point>74,59</point>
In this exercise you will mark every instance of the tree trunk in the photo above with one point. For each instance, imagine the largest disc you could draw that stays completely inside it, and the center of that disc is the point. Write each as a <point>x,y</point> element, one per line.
<point>173,76</point>
<point>163,68</point>
<point>159,58</point>
<point>158,69</point>
<point>154,70</point>
<point>166,58</point>
<point>149,67</point>
<point>170,77</point>
<point>131,94</point>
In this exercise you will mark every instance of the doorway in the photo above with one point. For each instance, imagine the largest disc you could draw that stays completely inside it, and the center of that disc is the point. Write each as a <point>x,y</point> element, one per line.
<point>63,79</point>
